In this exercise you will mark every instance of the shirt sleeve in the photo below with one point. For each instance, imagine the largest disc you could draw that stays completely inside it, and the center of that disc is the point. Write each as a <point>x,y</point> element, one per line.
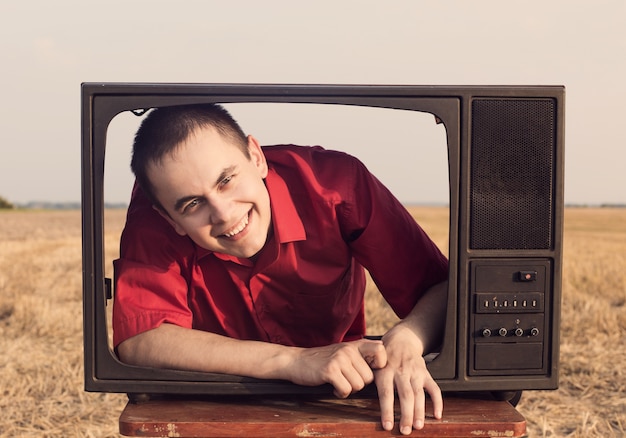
<point>150,285</point>
<point>402,260</point>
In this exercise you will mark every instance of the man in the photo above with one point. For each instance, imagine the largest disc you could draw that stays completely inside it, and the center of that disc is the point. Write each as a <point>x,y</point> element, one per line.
<point>250,261</point>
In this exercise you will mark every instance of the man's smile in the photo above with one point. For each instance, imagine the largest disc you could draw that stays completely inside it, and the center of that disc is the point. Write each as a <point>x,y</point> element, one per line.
<point>238,228</point>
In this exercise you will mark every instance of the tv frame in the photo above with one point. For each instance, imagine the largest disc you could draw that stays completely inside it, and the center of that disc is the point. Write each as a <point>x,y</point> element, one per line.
<point>451,105</point>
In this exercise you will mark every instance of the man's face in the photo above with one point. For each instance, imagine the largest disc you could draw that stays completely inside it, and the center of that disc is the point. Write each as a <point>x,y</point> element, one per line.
<point>214,194</point>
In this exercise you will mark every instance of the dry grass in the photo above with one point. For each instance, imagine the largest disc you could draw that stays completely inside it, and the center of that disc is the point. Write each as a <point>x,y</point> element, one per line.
<point>591,399</point>
<point>41,373</point>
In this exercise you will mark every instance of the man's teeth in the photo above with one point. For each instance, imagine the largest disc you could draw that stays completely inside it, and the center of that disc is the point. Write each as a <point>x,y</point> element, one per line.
<point>239,228</point>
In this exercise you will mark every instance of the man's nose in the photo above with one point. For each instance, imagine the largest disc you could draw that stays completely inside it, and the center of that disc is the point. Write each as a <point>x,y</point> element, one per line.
<point>220,212</point>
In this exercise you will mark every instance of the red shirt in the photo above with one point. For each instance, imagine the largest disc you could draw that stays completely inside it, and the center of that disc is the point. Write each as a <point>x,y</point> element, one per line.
<point>330,217</point>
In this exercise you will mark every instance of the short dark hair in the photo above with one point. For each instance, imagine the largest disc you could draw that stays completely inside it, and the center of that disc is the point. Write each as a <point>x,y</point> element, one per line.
<point>165,128</point>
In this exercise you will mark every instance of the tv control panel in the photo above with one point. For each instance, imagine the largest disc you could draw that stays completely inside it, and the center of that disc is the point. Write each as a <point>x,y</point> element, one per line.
<point>508,316</point>
<point>509,302</point>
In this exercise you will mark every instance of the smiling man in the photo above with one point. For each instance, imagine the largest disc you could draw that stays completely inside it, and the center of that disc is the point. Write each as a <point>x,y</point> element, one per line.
<point>250,260</point>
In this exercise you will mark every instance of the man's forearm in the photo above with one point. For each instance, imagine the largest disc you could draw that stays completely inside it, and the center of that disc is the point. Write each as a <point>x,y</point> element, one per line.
<point>347,365</point>
<point>427,319</point>
<point>173,347</point>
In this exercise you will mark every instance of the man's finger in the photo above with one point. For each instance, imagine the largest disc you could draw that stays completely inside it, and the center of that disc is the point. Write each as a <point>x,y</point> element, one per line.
<point>357,374</point>
<point>419,408</point>
<point>360,375</point>
<point>384,386</point>
<point>407,398</point>
<point>374,353</point>
<point>342,386</point>
<point>436,397</point>
<point>350,373</point>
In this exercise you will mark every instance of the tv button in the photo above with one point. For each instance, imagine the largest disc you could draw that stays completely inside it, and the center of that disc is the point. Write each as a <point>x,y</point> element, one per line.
<point>527,275</point>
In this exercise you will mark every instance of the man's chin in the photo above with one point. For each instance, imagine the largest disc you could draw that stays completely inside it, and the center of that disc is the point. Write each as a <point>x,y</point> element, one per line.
<point>251,253</point>
<point>242,253</point>
<point>248,251</point>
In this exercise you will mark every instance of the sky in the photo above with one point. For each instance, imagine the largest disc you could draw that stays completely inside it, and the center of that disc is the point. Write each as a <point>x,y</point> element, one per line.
<point>49,48</point>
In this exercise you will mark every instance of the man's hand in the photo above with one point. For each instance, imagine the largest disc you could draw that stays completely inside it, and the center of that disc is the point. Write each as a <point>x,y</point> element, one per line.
<point>347,366</point>
<point>406,369</point>
<point>406,372</point>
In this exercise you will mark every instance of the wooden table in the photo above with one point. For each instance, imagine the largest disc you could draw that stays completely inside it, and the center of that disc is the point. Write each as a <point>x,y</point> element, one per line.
<point>311,417</point>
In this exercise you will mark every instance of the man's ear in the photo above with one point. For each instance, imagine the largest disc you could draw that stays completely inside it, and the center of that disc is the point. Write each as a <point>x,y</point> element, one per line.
<point>257,156</point>
<point>171,221</point>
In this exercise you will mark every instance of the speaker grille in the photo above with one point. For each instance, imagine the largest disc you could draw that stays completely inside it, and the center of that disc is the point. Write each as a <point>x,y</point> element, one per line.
<point>512,166</point>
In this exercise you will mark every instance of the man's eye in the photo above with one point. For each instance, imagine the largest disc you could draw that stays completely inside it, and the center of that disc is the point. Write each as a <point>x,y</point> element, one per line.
<point>191,205</point>
<point>226,180</point>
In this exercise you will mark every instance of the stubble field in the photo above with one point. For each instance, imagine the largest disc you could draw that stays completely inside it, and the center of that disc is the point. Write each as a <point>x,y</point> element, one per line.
<point>41,365</point>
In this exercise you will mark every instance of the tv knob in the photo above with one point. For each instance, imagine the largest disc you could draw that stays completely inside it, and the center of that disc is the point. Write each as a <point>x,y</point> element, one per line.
<point>519,331</point>
<point>486,333</point>
<point>503,332</point>
<point>534,331</point>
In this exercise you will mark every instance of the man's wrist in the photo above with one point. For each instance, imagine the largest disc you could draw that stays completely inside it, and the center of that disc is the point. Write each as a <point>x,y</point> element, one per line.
<point>403,333</point>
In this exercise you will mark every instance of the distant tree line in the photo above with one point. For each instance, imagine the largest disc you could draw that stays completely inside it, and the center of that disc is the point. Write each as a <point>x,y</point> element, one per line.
<point>5,204</point>
<point>46,205</point>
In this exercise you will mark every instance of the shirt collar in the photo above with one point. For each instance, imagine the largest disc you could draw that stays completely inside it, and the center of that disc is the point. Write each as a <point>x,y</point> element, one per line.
<point>288,226</point>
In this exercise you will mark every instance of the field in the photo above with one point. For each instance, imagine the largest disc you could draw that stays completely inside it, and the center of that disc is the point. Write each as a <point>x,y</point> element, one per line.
<point>41,371</point>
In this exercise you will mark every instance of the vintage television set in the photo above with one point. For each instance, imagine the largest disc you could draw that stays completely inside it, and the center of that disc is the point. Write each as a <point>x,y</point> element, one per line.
<point>505,147</point>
